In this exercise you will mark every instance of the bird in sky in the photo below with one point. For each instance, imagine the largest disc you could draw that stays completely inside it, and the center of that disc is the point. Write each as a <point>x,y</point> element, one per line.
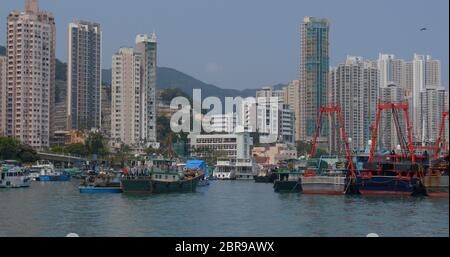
<point>423,29</point>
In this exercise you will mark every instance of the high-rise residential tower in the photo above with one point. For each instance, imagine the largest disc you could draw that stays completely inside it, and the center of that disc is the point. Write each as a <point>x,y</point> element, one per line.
<point>84,75</point>
<point>314,72</point>
<point>147,47</point>
<point>126,99</point>
<point>292,98</point>
<point>354,86</point>
<point>2,95</point>
<point>426,74</point>
<point>31,74</point>
<point>387,131</point>
<point>433,102</point>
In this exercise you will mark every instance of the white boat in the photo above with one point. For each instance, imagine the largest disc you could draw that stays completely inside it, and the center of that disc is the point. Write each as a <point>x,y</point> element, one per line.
<point>246,169</point>
<point>13,177</point>
<point>225,170</point>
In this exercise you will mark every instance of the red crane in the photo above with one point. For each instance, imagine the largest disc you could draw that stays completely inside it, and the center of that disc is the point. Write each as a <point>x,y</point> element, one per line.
<point>330,108</point>
<point>441,130</point>
<point>394,106</point>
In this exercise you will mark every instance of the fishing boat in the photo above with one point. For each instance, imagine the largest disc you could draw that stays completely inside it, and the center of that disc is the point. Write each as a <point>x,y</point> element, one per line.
<point>13,176</point>
<point>265,175</point>
<point>47,172</point>
<point>288,181</point>
<point>436,177</point>
<point>201,167</point>
<point>391,175</point>
<point>104,182</point>
<point>225,169</point>
<point>326,175</point>
<point>162,177</point>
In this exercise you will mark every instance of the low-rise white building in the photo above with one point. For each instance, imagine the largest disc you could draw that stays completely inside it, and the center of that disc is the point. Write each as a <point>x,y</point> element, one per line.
<point>232,146</point>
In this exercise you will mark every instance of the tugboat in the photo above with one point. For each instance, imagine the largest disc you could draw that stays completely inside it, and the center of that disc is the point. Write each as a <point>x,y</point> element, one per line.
<point>104,182</point>
<point>13,176</point>
<point>162,177</point>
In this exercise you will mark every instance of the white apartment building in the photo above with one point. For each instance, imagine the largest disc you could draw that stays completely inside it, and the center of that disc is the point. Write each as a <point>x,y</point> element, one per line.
<point>426,74</point>
<point>274,117</point>
<point>147,47</point>
<point>233,146</point>
<point>354,86</point>
<point>31,74</point>
<point>3,64</point>
<point>126,99</point>
<point>433,102</point>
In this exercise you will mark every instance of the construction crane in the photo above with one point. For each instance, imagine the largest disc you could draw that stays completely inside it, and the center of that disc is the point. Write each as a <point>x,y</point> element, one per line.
<point>335,108</point>
<point>441,130</point>
<point>395,106</point>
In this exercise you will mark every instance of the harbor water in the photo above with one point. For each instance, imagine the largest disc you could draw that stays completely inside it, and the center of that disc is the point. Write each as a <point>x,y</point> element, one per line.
<point>225,208</point>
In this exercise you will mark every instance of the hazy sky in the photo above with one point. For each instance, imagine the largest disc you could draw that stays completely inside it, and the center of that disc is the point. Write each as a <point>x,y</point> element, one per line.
<point>252,43</point>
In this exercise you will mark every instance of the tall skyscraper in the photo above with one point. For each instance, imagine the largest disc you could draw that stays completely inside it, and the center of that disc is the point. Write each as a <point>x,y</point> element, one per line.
<point>84,75</point>
<point>314,71</point>
<point>3,64</point>
<point>126,104</point>
<point>354,86</point>
<point>147,47</point>
<point>31,74</point>
<point>292,98</point>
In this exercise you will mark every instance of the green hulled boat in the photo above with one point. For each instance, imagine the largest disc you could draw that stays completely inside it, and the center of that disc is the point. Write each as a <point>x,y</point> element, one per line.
<point>288,181</point>
<point>162,177</point>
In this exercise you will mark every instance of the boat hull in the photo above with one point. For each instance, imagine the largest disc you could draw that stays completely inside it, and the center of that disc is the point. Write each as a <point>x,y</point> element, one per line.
<point>57,178</point>
<point>146,185</point>
<point>436,183</point>
<point>323,185</point>
<point>290,186</point>
<point>99,190</point>
<point>388,185</point>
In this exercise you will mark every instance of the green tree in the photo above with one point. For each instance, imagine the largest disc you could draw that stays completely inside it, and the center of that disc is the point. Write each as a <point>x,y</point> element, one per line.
<point>78,149</point>
<point>12,149</point>
<point>123,154</point>
<point>96,144</point>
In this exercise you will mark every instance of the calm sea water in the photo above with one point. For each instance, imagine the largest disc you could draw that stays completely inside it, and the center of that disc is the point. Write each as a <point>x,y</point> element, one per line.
<point>225,208</point>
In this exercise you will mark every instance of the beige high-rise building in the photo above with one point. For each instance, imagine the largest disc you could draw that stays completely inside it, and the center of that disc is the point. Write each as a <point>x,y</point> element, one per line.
<point>126,99</point>
<point>31,74</point>
<point>2,95</point>
<point>292,98</point>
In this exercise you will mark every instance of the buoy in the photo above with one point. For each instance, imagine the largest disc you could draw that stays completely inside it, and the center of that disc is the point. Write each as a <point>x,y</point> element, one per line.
<point>72,235</point>
<point>373,235</point>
